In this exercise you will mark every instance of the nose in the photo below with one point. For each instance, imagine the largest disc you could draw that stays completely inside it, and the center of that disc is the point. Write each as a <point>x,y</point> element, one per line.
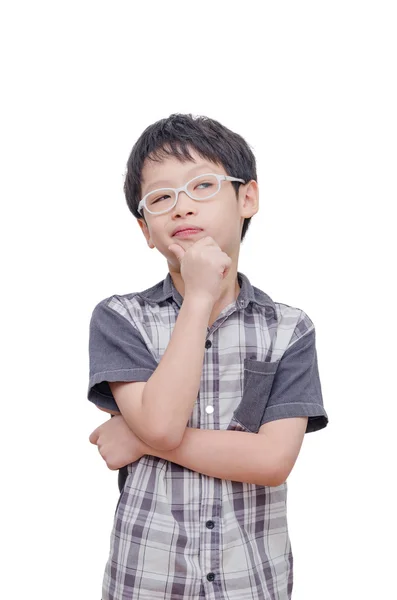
<point>184,203</point>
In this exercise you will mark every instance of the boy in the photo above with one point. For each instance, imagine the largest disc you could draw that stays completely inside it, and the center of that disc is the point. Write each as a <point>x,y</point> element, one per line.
<point>211,384</point>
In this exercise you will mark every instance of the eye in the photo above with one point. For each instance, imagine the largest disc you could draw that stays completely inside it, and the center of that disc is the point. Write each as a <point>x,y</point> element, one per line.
<point>206,183</point>
<point>160,198</point>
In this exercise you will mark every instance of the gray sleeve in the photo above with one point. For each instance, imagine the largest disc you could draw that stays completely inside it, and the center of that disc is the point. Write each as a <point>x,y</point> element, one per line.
<point>117,352</point>
<point>296,389</point>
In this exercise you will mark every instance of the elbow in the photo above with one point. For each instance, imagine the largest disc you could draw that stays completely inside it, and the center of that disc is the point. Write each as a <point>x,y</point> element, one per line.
<point>155,437</point>
<point>279,478</point>
<point>164,441</point>
<point>277,482</point>
<point>165,444</point>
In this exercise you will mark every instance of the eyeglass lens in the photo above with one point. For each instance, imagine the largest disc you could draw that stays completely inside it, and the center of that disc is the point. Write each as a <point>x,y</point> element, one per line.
<point>200,188</point>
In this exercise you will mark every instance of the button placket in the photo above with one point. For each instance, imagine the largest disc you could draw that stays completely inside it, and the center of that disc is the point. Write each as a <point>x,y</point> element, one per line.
<point>209,409</point>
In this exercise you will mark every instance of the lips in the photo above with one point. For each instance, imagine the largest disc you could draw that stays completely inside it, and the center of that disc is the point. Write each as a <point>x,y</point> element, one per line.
<point>186,228</point>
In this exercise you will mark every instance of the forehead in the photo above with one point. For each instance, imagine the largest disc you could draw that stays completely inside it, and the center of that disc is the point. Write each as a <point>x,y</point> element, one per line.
<point>172,172</point>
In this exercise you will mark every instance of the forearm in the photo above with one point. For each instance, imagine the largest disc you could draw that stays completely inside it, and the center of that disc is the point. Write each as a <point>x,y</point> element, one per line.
<point>170,393</point>
<point>233,455</point>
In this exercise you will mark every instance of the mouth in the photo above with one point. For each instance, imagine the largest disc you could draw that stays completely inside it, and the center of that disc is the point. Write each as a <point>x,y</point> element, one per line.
<point>186,232</point>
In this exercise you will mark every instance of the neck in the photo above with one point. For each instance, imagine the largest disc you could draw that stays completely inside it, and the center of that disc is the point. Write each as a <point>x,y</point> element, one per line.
<point>230,287</point>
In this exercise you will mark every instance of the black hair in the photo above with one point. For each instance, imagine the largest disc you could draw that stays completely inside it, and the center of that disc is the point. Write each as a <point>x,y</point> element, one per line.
<point>173,136</point>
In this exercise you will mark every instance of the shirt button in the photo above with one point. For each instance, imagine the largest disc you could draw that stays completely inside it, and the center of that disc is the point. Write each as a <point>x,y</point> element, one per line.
<point>210,524</point>
<point>208,344</point>
<point>211,576</point>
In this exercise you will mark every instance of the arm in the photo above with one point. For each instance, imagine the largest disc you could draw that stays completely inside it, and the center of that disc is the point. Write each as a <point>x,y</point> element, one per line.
<point>263,458</point>
<point>266,458</point>
<point>155,398</point>
<point>158,410</point>
<point>111,412</point>
<point>235,455</point>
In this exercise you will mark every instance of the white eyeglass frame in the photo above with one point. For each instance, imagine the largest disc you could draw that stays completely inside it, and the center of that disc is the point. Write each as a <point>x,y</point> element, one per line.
<point>220,178</point>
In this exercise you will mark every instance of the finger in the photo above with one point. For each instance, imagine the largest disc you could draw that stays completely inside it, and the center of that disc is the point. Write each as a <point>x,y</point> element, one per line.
<point>94,436</point>
<point>177,250</point>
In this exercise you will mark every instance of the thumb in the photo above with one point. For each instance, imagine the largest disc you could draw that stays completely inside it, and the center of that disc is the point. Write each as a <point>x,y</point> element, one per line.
<point>177,250</point>
<point>94,436</point>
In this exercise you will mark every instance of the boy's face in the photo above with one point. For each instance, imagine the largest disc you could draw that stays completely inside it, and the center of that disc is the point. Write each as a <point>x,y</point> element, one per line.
<point>220,217</point>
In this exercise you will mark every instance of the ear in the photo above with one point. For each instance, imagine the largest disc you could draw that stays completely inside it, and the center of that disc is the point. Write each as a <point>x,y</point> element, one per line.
<point>146,233</point>
<point>249,199</point>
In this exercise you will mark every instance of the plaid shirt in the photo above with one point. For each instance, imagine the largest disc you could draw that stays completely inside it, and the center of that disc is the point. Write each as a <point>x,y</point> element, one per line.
<point>178,534</point>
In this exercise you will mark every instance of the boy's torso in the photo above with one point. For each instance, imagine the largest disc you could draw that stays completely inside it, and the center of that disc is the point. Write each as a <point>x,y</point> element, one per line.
<point>177,531</point>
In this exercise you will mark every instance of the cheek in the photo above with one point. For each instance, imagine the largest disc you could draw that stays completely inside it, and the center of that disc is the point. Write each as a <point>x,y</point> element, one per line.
<point>158,238</point>
<point>150,234</point>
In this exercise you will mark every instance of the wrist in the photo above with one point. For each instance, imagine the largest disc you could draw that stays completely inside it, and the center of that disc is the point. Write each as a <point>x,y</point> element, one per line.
<point>199,302</point>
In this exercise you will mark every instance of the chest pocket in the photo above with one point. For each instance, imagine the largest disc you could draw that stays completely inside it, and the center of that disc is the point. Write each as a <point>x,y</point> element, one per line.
<point>258,381</point>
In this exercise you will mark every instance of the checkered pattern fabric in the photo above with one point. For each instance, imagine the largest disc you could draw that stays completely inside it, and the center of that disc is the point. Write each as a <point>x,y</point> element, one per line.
<point>178,534</point>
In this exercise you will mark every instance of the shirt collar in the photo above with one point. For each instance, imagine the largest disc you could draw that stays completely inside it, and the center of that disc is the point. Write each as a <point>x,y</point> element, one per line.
<point>165,289</point>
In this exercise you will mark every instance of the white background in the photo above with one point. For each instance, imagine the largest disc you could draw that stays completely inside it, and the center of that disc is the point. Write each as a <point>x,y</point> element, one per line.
<point>311,86</point>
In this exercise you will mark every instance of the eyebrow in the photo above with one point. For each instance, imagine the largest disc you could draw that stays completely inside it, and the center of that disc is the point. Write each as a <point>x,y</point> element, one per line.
<point>160,182</point>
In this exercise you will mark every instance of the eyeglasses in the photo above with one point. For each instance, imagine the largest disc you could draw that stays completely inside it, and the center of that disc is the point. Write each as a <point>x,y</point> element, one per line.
<point>199,188</point>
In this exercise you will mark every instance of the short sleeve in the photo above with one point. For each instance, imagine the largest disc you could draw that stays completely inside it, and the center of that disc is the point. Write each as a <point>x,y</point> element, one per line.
<point>117,352</point>
<point>296,389</point>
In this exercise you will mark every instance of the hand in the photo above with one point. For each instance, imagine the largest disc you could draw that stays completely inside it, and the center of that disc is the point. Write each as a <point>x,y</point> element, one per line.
<point>203,267</point>
<point>117,444</point>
